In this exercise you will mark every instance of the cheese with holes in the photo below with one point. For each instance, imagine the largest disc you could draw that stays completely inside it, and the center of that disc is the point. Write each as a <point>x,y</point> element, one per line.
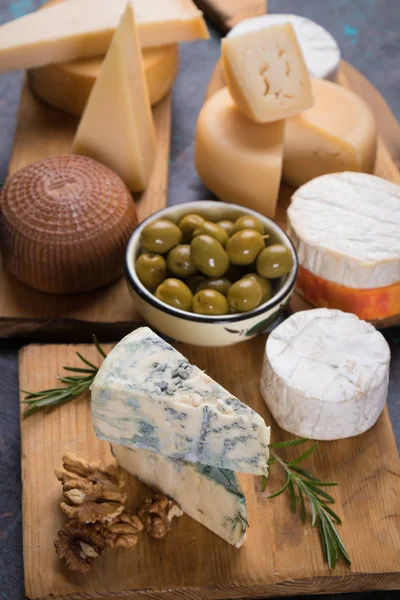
<point>266,73</point>
<point>325,374</point>
<point>237,159</point>
<point>147,395</point>
<point>67,86</point>
<point>320,50</point>
<point>346,230</point>
<point>211,496</point>
<point>117,125</point>
<point>337,134</point>
<point>84,28</point>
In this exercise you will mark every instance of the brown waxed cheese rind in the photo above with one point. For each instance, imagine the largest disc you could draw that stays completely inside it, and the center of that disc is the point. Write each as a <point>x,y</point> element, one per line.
<point>64,224</point>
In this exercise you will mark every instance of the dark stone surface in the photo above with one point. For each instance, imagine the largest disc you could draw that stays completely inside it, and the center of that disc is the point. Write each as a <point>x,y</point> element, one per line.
<point>368,34</point>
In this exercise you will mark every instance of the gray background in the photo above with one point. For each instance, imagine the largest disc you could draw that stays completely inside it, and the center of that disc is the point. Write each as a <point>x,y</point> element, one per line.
<point>368,32</point>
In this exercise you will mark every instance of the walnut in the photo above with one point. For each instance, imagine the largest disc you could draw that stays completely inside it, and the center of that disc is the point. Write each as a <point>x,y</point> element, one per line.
<point>79,545</point>
<point>157,514</point>
<point>93,493</point>
<point>123,532</point>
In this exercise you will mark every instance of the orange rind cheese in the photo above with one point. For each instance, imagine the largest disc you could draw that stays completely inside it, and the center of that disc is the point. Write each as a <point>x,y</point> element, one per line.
<point>369,304</point>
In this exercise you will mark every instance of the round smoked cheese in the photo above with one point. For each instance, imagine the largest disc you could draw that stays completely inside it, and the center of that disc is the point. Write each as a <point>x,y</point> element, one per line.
<point>325,374</point>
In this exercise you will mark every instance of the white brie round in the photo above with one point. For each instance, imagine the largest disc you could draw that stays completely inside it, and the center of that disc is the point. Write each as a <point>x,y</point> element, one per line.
<point>325,374</point>
<point>346,229</point>
<point>321,52</point>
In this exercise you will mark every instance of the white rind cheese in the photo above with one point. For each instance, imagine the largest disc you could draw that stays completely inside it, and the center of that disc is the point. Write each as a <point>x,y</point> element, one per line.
<point>147,395</point>
<point>321,52</point>
<point>325,374</point>
<point>211,496</point>
<point>346,229</point>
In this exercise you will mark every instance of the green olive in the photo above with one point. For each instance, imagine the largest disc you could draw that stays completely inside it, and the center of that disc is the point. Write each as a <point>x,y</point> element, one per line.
<point>227,226</point>
<point>244,295</point>
<point>210,302</point>
<point>209,256</point>
<point>244,246</point>
<point>151,269</point>
<point>188,225</point>
<point>160,236</point>
<point>274,261</point>
<point>266,287</point>
<point>179,261</point>
<point>248,222</point>
<point>194,281</point>
<point>214,230</point>
<point>175,293</point>
<point>219,284</point>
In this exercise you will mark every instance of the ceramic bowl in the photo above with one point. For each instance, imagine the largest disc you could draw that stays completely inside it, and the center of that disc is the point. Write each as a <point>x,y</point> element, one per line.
<point>204,330</point>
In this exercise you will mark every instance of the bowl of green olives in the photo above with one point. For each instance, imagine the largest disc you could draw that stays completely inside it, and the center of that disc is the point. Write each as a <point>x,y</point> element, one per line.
<point>210,273</point>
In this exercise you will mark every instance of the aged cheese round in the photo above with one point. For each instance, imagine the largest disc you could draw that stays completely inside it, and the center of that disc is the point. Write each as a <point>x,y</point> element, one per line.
<point>64,224</point>
<point>237,159</point>
<point>67,85</point>
<point>337,134</point>
<point>346,230</point>
<point>325,374</point>
<point>320,51</point>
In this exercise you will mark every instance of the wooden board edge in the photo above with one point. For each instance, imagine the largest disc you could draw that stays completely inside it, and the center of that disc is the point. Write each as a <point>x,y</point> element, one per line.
<point>65,329</point>
<point>358,582</point>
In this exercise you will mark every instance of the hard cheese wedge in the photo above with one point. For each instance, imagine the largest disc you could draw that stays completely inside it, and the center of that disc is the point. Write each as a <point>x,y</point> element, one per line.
<point>117,126</point>
<point>337,134</point>
<point>266,73</point>
<point>237,159</point>
<point>84,28</point>
<point>147,395</point>
<point>211,496</point>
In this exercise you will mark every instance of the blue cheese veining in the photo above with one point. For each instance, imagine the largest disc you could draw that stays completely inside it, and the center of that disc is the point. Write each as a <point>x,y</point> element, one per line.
<point>211,496</point>
<point>147,395</point>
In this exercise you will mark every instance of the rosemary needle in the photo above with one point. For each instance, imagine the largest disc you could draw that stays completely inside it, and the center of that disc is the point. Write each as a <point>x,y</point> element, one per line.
<point>303,486</point>
<point>75,385</point>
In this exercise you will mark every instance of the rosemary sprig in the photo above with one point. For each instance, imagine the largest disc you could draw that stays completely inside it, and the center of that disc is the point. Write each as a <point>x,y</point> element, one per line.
<point>303,486</point>
<point>75,385</point>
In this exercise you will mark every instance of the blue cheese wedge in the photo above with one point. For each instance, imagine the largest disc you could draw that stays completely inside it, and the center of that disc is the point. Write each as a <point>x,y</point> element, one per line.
<point>211,496</point>
<point>147,395</point>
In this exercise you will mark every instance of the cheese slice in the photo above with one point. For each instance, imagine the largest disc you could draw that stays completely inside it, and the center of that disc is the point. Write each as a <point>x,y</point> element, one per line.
<point>325,374</point>
<point>266,73</point>
<point>67,86</point>
<point>147,395</point>
<point>84,28</point>
<point>345,228</point>
<point>237,159</point>
<point>211,496</point>
<point>117,126</point>
<point>320,50</point>
<point>337,134</point>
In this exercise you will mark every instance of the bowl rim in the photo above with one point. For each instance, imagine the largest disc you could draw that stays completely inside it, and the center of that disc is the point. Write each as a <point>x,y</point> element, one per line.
<point>146,295</point>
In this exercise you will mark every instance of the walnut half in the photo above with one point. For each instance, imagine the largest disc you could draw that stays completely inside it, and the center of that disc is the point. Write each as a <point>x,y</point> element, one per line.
<point>157,514</point>
<point>79,545</point>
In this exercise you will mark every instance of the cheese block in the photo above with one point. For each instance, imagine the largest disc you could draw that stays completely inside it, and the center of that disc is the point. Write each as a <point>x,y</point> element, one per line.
<point>325,374</point>
<point>345,228</point>
<point>338,133</point>
<point>84,28</point>
<point>320,50</point>
<point>211,496</point>
<point>237,159</point>
<point>147,395</point>
<point>117,126</point>
<point>266,73</point>
<point>67,85</point>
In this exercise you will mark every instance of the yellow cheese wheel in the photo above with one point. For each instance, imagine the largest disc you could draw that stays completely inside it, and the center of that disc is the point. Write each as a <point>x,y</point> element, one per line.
<point>67,85</point>
<point>337,134</point>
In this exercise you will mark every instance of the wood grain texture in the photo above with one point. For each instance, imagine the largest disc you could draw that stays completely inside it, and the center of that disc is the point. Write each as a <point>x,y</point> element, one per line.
<point>280,556</point>
<point>43,131</point>
<point>385,166</point>
<point>227,13</point>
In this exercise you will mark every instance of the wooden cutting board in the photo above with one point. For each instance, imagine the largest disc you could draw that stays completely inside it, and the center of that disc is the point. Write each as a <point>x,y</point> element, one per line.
<point>280,557</point>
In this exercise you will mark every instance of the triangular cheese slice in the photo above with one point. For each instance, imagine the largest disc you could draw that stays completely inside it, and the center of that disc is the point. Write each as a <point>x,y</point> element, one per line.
<point>117,126</point>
